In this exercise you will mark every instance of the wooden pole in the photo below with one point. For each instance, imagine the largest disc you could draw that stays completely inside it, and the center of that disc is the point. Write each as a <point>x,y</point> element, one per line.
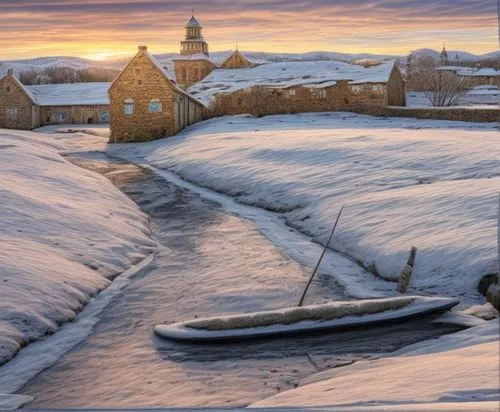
<point>301,301</point>
<point>405,277</point>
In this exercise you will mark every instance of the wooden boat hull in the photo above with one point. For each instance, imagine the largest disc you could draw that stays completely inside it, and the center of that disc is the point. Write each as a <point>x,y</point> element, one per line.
<point>184,331</point>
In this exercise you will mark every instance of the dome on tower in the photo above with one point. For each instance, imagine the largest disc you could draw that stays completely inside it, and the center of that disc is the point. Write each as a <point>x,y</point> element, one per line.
<point>193,22</point>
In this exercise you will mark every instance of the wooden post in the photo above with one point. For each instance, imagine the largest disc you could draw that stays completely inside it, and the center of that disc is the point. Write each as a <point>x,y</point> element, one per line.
<point>301,301</point>
<point>404,278</point>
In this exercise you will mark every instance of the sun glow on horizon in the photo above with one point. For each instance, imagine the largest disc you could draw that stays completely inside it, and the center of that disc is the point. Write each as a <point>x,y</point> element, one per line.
<point>111,29</point>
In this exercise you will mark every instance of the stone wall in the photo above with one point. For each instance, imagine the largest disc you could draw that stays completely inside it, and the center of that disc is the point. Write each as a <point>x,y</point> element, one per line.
<point>262,101</point>
<point>89,114</point>
<point>17,111</point>
<point>462,114</point>
<point>189,72</point>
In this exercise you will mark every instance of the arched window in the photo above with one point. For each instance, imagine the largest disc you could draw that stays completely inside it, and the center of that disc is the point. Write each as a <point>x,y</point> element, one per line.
<point>155,106</point>
<point>128,107</point>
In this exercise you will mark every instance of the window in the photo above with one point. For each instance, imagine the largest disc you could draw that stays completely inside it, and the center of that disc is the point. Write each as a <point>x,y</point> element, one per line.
<point>61,116</point>
<point>318,93</point>
<point>8,89</point>
<point>11,113</point>
<point>155,106</point>
<point>139,82</point>
<point>128,107</point>
<point>103,116</point>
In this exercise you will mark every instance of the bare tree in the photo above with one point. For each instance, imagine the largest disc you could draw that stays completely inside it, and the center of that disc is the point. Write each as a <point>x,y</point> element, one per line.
<point>442,88</point>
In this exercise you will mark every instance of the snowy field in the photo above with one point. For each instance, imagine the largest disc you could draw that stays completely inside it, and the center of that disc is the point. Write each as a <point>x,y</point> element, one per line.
<point>469,374</point>
<point>65,232</point>
<point>432,184</point>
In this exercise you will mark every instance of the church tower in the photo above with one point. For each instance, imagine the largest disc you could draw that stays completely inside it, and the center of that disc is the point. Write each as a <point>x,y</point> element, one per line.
<point>194,42</point>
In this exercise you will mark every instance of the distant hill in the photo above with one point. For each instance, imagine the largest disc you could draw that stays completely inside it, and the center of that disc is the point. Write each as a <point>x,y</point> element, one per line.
<point>38,64</point>
<point>462,55</point>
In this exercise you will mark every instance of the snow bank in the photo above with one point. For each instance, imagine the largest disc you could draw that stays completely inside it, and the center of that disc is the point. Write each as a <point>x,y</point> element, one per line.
<point>432,184</point>
<point>65,232</point>
<point>462,367</point>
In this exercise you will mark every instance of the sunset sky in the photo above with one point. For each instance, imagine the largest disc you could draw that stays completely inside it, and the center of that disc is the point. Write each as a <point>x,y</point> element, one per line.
<point>108,28</point>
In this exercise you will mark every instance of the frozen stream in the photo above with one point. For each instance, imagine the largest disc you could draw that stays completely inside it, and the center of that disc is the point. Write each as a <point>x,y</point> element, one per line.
<point>209,262</point>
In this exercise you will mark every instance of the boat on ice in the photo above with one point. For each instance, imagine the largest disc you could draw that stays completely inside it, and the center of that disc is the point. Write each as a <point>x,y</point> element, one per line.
<point>305,319</point>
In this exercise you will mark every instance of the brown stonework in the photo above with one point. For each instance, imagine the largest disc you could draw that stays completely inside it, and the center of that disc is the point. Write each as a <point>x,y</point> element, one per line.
<point>236,61</point>
<point>17,110</point>
<point>144,82</point>
<point>189,72</point>
<point>261,101</point>
<point>82,114</point>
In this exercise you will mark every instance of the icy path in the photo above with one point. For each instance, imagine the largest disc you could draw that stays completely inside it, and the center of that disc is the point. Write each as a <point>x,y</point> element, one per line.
<point>210,262</point>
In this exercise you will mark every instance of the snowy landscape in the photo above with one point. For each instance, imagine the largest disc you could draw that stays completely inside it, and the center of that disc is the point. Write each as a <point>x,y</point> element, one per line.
<point>431,184</point>
<point>250,206</point>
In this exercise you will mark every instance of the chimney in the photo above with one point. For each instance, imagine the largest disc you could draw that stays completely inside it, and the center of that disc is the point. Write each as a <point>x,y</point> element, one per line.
<point>143,48</point>
<point>10,72</point>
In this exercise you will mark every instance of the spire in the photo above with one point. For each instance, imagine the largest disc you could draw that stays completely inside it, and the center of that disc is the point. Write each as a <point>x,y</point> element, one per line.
<point>236,46</point>
<point>444,53</point>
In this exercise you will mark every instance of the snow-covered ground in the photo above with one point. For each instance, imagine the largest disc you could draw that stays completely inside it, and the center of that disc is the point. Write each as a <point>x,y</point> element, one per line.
<point>432,184</point>
<point>462,367</point>
<point>488,96</point>
<point>65,232</point>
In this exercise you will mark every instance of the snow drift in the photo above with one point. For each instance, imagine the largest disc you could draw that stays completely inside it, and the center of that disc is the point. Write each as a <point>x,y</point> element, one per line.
<point>65,232</point>
<point>461,367</point>
<point>431,184</point>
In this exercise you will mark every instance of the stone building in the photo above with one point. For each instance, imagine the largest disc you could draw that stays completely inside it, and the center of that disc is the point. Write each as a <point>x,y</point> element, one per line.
<point>29,107</point>
<point>147,104</point>
<point>237,61</point>
<point>478,76</point>
<point>294,87</point>
<point>194,62</point>
<point>194,42</point>
<point>191,69</point>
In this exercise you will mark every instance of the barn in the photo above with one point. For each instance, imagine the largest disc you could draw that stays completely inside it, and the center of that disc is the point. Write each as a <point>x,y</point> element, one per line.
<point>293,87</point>
<point>28,107</point>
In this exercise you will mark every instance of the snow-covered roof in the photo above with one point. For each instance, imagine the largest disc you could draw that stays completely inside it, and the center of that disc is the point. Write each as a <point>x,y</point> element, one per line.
<point>195,56</point>
<point>471,71</point>
<point>289,74</point>
<point>193,22</point>
<point>167,74</point>
<point>71,94</point>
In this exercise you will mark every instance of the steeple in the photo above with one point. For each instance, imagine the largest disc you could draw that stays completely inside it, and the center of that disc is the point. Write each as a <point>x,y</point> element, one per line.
<point>194,42</point>
<point>444,53</point>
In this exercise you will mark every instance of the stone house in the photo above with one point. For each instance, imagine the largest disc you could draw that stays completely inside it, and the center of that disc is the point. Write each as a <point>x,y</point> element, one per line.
<point>478,76</point>
<point>29,107</point>
<point>295,87</point>
<point>147,104</point>
<point>237,61</point>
